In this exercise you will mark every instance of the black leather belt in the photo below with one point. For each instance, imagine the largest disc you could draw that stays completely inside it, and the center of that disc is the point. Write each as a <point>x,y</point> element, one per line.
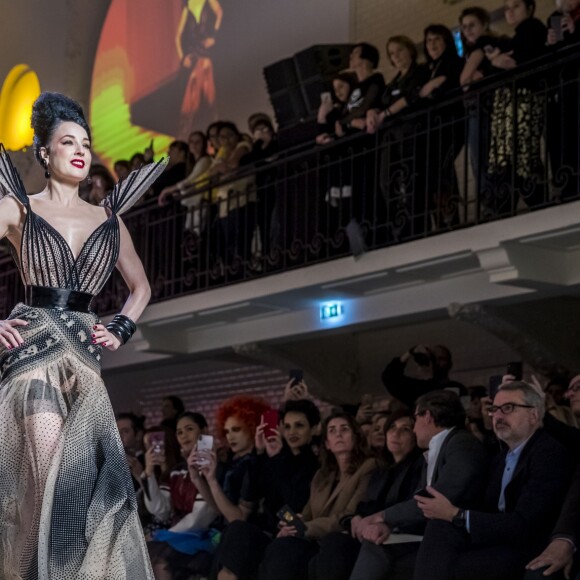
<point>58,298</point>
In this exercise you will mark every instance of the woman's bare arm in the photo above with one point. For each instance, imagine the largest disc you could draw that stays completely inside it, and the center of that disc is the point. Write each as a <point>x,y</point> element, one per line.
<point>131,268</point>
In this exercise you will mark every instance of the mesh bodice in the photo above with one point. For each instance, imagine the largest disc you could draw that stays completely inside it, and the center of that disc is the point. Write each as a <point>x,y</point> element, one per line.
<point>46,258</point>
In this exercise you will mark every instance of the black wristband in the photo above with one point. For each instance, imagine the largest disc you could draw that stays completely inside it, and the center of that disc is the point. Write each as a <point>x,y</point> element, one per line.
<point>122,327</point>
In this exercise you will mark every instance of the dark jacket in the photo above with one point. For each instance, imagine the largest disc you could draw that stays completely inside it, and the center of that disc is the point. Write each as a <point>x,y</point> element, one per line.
<point>460,473</point>
<point>532,498</point>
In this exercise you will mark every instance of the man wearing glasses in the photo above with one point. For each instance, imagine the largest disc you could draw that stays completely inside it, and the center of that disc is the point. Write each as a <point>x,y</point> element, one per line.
<point>523,497</point>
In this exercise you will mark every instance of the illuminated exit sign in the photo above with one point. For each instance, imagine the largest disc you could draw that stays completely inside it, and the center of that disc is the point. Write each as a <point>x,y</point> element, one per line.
<point>331,310</point>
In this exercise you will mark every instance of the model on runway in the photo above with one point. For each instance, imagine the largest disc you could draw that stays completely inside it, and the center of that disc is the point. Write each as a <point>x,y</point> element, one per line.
<point>67,505</point>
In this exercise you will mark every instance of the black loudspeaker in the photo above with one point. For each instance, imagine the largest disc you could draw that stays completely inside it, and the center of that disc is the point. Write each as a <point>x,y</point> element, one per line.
<point>281,75</point>
<point>294,84</point>
<point>323,60</point>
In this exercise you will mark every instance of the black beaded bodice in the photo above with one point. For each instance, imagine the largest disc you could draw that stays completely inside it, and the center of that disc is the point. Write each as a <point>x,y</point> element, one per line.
<point>46,259</point>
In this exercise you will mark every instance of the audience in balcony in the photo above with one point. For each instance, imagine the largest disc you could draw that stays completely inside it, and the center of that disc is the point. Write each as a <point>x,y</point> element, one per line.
<point>334,107</point>
<point>233,201</point>
<point>366,95</point>
<point>474,23</point>
<point>562,111</point>
<point>515,167</point>
<point>101,184</point>
<point>176,170</point>
<point>446,133</point>
<point>122,169</point>
<point>280,477</point>
<point>337,488</point>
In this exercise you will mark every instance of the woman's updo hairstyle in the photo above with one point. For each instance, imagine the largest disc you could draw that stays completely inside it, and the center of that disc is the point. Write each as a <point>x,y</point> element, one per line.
<point>48,112</point>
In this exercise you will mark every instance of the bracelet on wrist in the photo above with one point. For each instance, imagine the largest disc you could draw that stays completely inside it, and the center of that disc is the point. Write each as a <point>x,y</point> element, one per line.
<point>122,327</point>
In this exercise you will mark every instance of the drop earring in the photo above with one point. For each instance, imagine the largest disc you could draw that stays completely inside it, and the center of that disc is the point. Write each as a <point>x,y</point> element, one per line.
<point>46,171</point>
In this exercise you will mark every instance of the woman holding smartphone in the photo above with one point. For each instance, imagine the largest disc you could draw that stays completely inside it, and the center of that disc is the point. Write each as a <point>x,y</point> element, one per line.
<point>280,477</point>
<point>336,489</point>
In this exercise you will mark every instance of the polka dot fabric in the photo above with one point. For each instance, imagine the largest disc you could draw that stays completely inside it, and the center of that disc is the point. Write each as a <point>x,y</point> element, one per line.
<point>67,503</point>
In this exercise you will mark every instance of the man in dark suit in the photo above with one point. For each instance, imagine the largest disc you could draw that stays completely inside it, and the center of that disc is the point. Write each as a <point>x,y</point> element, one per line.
<point>456,465</point>
<point>522,500</point>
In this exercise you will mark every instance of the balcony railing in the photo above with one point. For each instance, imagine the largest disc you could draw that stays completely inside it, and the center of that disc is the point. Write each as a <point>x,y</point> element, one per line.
<point>508,145</point>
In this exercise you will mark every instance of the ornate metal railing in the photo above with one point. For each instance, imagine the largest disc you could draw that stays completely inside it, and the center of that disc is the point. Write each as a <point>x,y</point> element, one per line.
<point>508,145</point>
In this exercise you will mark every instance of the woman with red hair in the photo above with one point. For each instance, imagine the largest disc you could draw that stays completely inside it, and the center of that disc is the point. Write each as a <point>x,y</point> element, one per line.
<point>220,483</point>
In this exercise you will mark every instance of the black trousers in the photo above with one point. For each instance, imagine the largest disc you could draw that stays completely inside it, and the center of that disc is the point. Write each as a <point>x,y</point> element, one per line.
<point>336,558</point>
<point>447,553</point>
<point>287,559</point>
<point>242,548</point>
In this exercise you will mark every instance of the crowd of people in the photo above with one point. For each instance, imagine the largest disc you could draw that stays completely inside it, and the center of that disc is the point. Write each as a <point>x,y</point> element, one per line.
<point>240,205</point>
<point>433,480</point>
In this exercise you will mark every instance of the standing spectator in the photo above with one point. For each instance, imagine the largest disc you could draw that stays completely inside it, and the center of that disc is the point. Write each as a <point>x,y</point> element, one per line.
<point>447,132</point>
<point>333,109</point>
<point>336,490</point>
<point>196,218</point>
<point>233,198</point>
<point>176,169</point>
<point>265,150</point>
<point>122,169</point>
<point>434,365</point>
<point>171,408</point>
<point>474,24</point>
<point>515,161</point>
<point>562,122</point>
<point>213,137</point>
<point>522,500</point>
<point>137,161</point>
<point>401,178</point>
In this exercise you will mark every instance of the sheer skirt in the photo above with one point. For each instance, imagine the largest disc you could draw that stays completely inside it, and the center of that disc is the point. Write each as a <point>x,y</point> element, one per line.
<point>67,504</point>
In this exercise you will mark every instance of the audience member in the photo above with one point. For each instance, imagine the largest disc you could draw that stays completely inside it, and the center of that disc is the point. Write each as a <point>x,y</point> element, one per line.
<point>102,183</point>
<point>176,170</point>
<point>213,137</point>
<point>122,169</point>
<point>516,160</point>
<point>333,109</point>
<point>281,477</point>
<point>337,488</point>
<point>521,503</point>
<point>171,408</point>
<point>456,466</point>
<point>137,161</point>
<point>169,493</point>
<point>434,364</point>
<point>396,482</point>
<point>447,132</point>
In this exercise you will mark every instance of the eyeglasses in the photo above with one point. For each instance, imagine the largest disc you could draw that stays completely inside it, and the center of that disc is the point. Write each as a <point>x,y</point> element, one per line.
<point>506,408</point>
<point>573,388</point>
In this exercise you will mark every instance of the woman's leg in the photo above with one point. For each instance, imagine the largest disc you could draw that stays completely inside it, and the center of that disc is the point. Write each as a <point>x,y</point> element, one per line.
<point>287,559</point>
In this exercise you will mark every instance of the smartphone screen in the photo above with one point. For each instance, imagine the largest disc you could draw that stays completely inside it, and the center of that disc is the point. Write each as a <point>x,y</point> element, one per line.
<point>271,420</point>
<point>204,443</point>
<point>297,376</point>
<point>516,370</point>
<point>556,26</point>
<point>157,440</point>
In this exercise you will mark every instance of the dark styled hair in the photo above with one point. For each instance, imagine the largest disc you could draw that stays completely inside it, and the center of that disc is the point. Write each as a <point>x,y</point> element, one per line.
<point>177,403</point>
<point>203,138</point>
<point>138,156</point>
<point>48,112</point>
<point>403,41</point>
<point>480,13</point>
<point>445,34</point>
<point>531,6</point>
<point>216,124</point>
<point>369,52</point>
<point>360,451</point>
<point>444,406</point>
<point>231,126</point>
<point>137,423</point>
<point>304,406</point>
<point>197,418</point>
<point>386,456</point>
<point>122,163</point>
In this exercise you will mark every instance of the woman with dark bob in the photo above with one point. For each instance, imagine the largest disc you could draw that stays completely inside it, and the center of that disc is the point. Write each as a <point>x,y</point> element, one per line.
<point>336,489</point>
<point>280,477</point>
<point>67,502</point>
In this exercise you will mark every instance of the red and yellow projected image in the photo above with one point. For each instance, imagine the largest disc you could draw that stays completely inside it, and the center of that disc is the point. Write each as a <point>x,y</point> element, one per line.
<point>153,78</point>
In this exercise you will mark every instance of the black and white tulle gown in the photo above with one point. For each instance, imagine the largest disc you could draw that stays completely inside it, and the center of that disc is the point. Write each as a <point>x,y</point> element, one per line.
<point>67,505</point>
